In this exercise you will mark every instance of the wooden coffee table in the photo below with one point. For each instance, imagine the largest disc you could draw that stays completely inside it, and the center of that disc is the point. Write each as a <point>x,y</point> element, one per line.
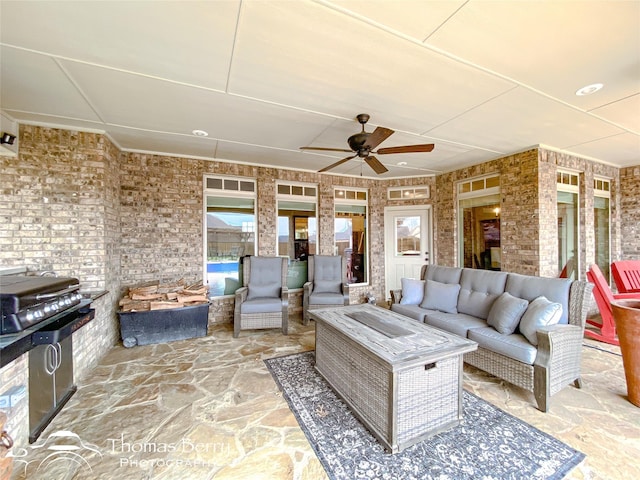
<point>401,378</point>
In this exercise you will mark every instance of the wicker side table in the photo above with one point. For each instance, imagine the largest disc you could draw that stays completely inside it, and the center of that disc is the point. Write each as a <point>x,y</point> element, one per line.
<point>401,379</point>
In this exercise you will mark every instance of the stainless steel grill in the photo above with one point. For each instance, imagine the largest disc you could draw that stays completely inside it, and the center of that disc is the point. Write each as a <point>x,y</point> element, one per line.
<point>26,300</point>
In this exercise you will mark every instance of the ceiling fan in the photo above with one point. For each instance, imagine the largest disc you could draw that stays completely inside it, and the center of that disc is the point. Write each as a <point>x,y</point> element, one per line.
<point>363,143</point>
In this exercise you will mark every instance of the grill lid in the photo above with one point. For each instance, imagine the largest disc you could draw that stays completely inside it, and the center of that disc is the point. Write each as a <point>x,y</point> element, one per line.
<point>21,291</point>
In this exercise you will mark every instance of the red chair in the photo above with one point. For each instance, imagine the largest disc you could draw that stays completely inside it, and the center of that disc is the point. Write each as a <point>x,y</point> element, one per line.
<point>604,297</point>
<point>626,274</point>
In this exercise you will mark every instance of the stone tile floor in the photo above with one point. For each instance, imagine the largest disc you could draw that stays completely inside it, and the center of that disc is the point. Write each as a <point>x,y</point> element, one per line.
<point>208,408</point>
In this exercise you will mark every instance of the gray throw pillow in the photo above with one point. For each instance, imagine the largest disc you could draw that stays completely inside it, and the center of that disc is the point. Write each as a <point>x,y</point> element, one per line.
<point>412,291</point>
<point>326,286</point>
<point>263,291</point>
<point>441,296</point>
<point>540,313</point>
<point>506,312</point>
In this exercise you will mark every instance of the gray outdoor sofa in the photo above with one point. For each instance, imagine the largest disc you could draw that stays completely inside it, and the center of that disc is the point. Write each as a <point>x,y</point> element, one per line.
<point>529,329</point>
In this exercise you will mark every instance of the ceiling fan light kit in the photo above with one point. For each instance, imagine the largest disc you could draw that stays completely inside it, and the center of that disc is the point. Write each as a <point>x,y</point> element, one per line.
<point>364,143</point>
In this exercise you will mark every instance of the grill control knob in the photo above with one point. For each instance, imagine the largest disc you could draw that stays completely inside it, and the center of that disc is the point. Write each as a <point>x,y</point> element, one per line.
<point>29,316</point>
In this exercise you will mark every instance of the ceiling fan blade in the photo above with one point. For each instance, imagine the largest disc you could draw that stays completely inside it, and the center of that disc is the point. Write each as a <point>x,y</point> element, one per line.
<point>379,135</point>
<point>374,163</point>
<point>333,165</point>
<point>324,149</point>
<point>427,147</point>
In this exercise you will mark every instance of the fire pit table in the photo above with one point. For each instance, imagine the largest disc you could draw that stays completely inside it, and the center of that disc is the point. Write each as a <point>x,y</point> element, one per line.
<point>402,379</point>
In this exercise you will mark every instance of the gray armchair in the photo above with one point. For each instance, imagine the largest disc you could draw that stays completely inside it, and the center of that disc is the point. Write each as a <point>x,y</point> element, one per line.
<point>263,300</point>
<point>327,285</point>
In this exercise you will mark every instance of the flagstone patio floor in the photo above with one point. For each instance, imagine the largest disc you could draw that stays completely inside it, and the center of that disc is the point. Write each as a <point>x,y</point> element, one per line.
<point>207,408</point>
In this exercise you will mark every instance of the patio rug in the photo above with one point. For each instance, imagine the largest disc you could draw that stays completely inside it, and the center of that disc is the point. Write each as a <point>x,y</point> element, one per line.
<point>488,444</point>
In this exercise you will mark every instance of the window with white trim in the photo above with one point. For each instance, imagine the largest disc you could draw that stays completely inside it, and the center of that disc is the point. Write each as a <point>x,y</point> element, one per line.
<point>297,228</point>
<point>602,224</point>
<point>229,216</point>
<point>568,188</point>
<point>479,223</point>
<point>350,232</point>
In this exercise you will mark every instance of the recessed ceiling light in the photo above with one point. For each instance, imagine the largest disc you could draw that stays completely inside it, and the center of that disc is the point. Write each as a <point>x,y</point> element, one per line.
<point>200,133</point>
<point>589,89</point>
<point>402,164</point>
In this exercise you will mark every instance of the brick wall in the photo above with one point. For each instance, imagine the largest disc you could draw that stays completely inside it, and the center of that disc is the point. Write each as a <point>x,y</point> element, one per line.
<point>630,212</point>
<point>59,208</point>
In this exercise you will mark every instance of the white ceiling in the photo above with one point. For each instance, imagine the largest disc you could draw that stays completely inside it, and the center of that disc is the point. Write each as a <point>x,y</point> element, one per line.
<point>480,79</point>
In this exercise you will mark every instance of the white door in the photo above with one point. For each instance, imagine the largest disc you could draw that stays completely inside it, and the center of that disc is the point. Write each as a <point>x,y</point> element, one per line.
<point>407,243</point>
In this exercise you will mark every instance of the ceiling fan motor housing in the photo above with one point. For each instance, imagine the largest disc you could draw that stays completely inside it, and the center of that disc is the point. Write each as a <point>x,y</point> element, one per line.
<point>357,141</point>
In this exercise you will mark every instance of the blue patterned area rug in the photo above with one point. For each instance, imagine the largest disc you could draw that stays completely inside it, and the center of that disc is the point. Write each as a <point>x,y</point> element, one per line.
<point>488,444</point>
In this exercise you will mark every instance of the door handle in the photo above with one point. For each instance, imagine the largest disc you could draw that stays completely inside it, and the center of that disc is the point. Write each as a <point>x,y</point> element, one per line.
<point>50,359</point>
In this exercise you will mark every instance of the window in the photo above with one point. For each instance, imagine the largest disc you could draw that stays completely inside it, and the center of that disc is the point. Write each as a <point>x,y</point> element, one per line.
<point>297,228</point>
<point>230,220</point>
<point>350,232</point>
<point>568,214</point>
<point>602,221</point>
<point>408,193</point>
<point>479,223</point>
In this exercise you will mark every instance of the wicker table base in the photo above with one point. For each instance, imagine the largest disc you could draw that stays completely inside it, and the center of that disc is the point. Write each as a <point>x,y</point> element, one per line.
<point>402,379</point>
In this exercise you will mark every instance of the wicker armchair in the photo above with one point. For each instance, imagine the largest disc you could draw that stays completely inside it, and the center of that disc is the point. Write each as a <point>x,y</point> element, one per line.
<point>327,285</point>
<point>263,300</point>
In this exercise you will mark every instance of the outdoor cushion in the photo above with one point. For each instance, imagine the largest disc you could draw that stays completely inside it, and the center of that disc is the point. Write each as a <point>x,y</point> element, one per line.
<point>530,288</point>
<point>327,286</point>
<point>513,346</point>
<point>265,277</point>
<point>458,323</point>
<point>324,298</point>
<point>412,311</point>
<point>541,313</point>
<point>261,305</point>
<point>412,291</point>
<point>443,274</point>
<point>479,289</point>
<point>440,296</point>
<point>263,291</point>
<point>506,312</point>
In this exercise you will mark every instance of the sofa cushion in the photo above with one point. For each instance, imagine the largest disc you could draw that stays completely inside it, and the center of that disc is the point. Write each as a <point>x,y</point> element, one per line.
<point>440,296</point>
<point>513,346</point>
<point>530,288</point>
<point>540,313</point>
<point>506,312</point>
<point>457,323</point>
<point>327,286</point>
<point>412,311</point>
<point>412,291</point>
<point>261,305</point>
<point>479,289</point>
<point>443,274</point>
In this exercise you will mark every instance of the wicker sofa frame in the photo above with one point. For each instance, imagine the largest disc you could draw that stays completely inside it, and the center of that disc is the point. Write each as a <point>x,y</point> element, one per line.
<point>559,351</point>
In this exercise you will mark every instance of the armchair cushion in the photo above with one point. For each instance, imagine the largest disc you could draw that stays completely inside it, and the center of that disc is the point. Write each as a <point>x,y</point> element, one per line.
<point>326,298</point>
<point>506,312</point>
<point>265,277</point>
<point>261,305</point>
<point>441,296</point>
<point>412,291</point>
<point>540,313</point>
